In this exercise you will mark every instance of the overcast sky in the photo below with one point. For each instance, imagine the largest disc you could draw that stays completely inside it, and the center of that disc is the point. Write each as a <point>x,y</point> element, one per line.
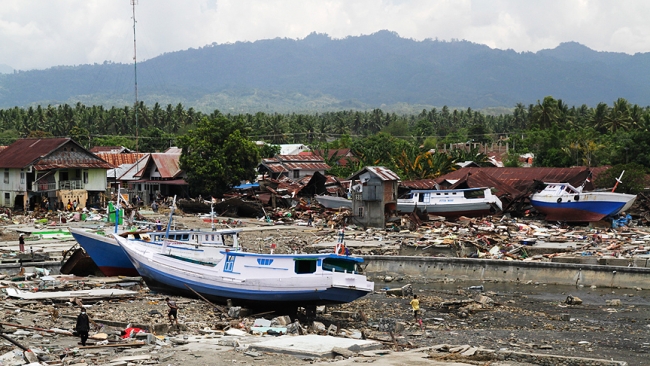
<point>44,33</point>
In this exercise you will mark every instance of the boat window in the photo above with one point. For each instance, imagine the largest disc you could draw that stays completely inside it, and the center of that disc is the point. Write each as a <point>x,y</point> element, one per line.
<point>305,265</point>
<point>479,193</point>
<point>421,198</point>
<point>264,261</point>
<point>212,237</point>
<point>338,265</point>
<point>230,263</point>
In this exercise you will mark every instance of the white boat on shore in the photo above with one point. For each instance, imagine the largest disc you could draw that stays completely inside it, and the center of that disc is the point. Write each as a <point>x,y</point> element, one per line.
<point>564,202</point>
<point>271,279</point>
<point>451,202</point>
<point>333,202</point>
<point>112,261</point>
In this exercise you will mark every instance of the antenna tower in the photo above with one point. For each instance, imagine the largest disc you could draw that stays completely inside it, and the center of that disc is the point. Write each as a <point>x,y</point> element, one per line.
<point>135,72</point>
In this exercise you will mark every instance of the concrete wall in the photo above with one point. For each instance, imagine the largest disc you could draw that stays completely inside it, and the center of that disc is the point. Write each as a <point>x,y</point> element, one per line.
<point>510,271</point>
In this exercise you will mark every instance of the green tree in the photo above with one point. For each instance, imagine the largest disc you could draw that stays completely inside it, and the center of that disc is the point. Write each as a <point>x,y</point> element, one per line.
<point>633,180</point>
<point>217,155</point>
<point>546,113</point>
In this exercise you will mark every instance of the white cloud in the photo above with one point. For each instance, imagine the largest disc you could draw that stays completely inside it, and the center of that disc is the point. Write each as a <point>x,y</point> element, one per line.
<point>44,33</point>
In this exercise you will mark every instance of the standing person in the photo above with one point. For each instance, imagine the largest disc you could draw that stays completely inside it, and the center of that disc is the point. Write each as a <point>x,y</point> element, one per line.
<point>74,205</point>
<point>21,243</point>
<point>83,326</point>
<point>415,305</point>
<point>68,207</point>
<point>158,225</point>
<point>341,235</point>
<point>311,220</point>
<point>173,311</point>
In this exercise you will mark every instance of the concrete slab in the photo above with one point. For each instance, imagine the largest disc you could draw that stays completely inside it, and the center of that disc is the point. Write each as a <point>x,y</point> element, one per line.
<point>312,345</point>
<point>396,359</point>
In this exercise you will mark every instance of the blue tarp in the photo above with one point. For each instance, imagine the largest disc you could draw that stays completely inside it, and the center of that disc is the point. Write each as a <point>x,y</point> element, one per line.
<point>247,186</point>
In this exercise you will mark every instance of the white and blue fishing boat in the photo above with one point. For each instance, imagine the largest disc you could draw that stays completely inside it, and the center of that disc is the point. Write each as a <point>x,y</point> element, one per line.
<point>564,202</point>
<point>112,261</point>
<point>249,278</point>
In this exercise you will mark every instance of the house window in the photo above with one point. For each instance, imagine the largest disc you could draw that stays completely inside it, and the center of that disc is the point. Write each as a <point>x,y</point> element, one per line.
<point>7,199</point>
<point>22,177</point>
<point>296,173</point>
<point>85,177</point>
<point>360,212</point>
<point>6,176</point>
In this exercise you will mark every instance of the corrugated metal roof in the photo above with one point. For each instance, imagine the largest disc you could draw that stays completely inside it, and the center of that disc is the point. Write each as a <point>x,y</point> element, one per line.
<point>45,154</point>
<point>419,184</point>
<point>131,173</point>
<point>108,149</point>
<point>299,158</point>
<point>521,178</point>
<point>25,152</point>
<point>306,166</point>
<point>275,167</point>
<point>120,159</point>
<point>481,179</point>
<point>168,164</point>
<point>383,173</point>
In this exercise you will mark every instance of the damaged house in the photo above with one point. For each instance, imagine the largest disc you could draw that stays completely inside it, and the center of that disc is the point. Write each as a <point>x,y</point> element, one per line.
<point>374,195</point>
<point>49,172</point>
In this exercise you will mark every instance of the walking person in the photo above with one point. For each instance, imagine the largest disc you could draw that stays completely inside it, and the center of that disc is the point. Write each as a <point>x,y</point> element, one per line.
<point>415,305</point>
<point>83,326</point>
<point>21,243</point>
<point>173,311</point>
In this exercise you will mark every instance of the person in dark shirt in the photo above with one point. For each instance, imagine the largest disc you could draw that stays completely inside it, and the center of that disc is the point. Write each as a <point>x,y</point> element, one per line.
<point>173,311</point>
<point>83,326</point>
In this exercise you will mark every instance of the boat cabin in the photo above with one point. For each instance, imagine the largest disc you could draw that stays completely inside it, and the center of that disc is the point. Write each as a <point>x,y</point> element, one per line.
<point>426,196</point>
<point>288,265</point>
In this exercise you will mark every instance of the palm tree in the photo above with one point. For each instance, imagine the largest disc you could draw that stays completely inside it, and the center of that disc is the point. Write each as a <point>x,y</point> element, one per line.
<point>546,114</point>
<point>619,116</point>
<point>276,126</point>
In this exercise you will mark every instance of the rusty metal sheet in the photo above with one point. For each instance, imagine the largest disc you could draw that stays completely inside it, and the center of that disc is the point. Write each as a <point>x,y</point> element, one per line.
<point>168,164</point>
<point>521,178</point>
<point>120,159</point>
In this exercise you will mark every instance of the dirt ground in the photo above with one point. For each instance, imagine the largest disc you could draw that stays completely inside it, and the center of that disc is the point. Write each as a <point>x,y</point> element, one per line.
<point>527,317</point>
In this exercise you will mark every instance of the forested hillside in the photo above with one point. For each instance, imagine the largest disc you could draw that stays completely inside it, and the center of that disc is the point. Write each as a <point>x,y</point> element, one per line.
<point>318,74</point>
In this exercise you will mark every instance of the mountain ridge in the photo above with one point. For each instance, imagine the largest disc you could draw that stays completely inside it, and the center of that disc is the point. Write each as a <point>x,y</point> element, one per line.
<point>364,71</point>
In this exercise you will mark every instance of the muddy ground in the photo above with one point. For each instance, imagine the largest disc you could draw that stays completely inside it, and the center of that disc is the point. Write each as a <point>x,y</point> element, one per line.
<point>526,317</point>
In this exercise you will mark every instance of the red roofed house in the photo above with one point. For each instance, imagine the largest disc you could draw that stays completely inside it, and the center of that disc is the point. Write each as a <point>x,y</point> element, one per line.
<point>293,166</point>
<point>155,175</point>
<point>56,169</point>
